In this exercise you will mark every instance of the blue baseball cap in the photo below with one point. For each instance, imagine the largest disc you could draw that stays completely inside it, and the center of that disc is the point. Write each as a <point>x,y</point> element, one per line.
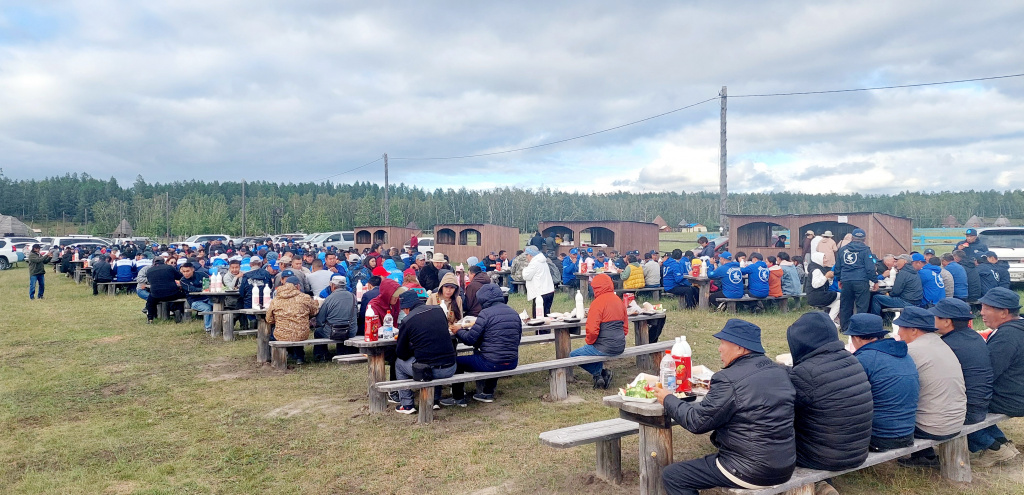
<point>953,309</point>
<point>272,264</point>
<point>859,234</point>
<point>865,324</point>
<point>1001,297</point>
<point>972,232</point>
<point>574,251</point>
<point>742,333</point>
<point>725,255</point>
<point>917,257</point>
<point>286,273</point>
<point>915,317</point>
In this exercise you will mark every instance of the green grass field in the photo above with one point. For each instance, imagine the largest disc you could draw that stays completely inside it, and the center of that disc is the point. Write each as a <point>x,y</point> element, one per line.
<point>93,401</point>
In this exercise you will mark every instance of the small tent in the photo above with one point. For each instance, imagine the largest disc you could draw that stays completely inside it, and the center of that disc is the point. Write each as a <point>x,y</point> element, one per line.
<point>660,222</point>
<point>950,222</point>
<point>974,222</point>
<point>10,226</point>
<point>124,229</point>
<point>1001,222</point>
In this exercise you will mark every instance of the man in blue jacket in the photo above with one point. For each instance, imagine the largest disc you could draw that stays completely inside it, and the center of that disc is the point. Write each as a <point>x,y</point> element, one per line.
<point>855,272</point>
<point>192,281</point>
<point>993,272</point>
<point>971,246</point>
<point>933,288</point>
<point>495,337</point>
<point>757,275</point>
<point>730,278</point>
<point>894,382</point>
<point>570,267</point>
<point>674,280</point>
<point>959,275</point>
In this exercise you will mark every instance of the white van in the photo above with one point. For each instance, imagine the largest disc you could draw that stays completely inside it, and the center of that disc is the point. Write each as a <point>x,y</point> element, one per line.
<point>339,240</point>
<point>1008,244</point>
<point>198,240</point>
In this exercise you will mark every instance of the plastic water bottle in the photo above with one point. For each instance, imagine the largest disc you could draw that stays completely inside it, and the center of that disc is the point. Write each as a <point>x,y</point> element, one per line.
<point>667,377</point>
<point>206,283</point>
<point>681,355</point>
<point>255,298</point>
<point>388,328</point>
<point>359,290</point>
<point>266,296</point>
<point>579,304</point>
<point>538,307</point>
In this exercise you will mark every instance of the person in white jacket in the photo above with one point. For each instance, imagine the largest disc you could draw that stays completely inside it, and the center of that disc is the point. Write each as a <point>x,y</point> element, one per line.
<point>538,280</point>
<point>820,280</point>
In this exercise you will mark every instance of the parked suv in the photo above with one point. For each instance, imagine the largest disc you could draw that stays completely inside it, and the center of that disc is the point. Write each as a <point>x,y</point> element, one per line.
<point>425,244</point>
<point>198,240</point>
<point>339,240</point>
<point>1008,244</point>
<point>9,254</point>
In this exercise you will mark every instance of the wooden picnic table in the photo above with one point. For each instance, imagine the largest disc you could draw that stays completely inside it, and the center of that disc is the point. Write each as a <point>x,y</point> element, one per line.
<point>262,334</point>
<point>217,301</point>
<point>655,439</point>
<point>704,286</point>
<point>586,277</point>
<point>374,351</point>
<point>81,270</point>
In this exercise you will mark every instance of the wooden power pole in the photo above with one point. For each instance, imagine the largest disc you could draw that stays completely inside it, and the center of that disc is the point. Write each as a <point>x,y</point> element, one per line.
<point>723,184</point>
<point>243,207</point>
<point>387,200</point>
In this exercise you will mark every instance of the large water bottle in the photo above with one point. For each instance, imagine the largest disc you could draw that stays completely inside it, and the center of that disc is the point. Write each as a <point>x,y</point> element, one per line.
<point>681,355</point>
<point>579,305</point>
<point>667,377</point>
<point>371,325</point>
<point>387,329</point>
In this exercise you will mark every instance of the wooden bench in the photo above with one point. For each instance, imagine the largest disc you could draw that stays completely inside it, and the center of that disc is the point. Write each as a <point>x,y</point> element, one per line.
<point>111,287</point>
<point>954,463</point>
<point>279,350</point>
<point>228,324</point>
<point>463,348</point>
<point>887,322</point>
<point>605,434</point>
<point>557,368</point>
<point>782,301</point>
<point>163,308</point>
<point>654,291</point>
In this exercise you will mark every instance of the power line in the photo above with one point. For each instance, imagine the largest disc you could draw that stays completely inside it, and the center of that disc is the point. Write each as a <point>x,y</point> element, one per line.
<point>351,169</point>
<point>560,140</point>
<point>877,87</point>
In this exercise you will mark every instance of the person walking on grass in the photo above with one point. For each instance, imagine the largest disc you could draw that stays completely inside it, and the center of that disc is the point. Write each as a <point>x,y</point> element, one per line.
<point>36,271</point>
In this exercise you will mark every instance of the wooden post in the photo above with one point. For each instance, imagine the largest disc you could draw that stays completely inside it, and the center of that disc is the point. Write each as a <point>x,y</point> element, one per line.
<point>375,360</point>
<point>655,454</point>
<point>609,460</point>
<point>731,305</point>
<point>218,316</point>
<point>279,358</point>
<point>705,295</point>
<point>111,289</point>
<point>954,460</point>
<point>585,287</point>
<point>784,305</point>
<point>229,327</point>
<point>558,387</point>
<point>425,413</point>
<point>641,332</point>
<point>563,346</point>
<point>262,340</point>
<point>162,310</point>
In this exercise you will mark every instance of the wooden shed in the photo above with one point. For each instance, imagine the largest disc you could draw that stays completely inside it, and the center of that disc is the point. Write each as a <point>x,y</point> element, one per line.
<point>459,241</point>
<point>366,236</point>
<point>662,225</point>
<point>619,235</point>
<point>886,234</point>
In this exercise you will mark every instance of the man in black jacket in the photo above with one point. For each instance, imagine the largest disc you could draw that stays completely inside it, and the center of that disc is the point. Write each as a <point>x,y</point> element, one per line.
<point>1000,310</point>
<point>495,339</point>
<point>834,406</point>
<point>855,273</point>
<point>423,339</point>
<point>973,279</point>
<point>906,289</point>
<point>101,273</point>
<point>164,285</point>
<point>749,407</point>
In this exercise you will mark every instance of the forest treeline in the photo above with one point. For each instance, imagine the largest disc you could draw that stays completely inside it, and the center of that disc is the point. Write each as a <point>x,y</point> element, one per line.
<point>191,207</point>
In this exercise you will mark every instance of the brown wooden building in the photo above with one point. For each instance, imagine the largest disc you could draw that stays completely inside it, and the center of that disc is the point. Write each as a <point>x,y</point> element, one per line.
<point>366,236</point>
<point>459,241</point>
<point>886,234</point>
<point>619,235</point>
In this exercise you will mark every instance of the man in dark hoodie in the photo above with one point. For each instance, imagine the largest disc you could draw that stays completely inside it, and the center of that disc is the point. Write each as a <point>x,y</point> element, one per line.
<point>952,319</point>
<point>422,338</point>
<point>479,279</point>
<point>932,286</point>
<point>855,273</point>
<point>495,340</point>
<point>973,279</point>
<point>102,272</point>
<point>833,397</point>
<point>906,290</point>
<point>749,407</point>
<point>894,383</point>
<point>992,272</point>
<point>1000,310</point>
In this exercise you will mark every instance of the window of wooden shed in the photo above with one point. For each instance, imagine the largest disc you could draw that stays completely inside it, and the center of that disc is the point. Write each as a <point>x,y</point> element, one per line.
<point>380,236</point>
<point>566,233</point>
<point>469,237</point>
<point>756,234</point>
<point>363,237</point>
<point>598,235</point>
<point>444,237</point>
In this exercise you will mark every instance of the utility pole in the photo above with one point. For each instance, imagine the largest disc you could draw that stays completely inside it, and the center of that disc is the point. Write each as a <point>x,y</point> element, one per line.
<point>167,215</point>
<point>243,207</point>
<point>387,200</point>
<point>723,184</point>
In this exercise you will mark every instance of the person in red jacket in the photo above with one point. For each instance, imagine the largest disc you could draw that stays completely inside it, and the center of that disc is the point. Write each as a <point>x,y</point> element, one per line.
<point>607,326</point>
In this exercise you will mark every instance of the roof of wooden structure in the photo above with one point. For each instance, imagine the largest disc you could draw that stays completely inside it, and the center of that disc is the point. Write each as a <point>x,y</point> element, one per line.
<point>950,221</point>
<point>1001,222</point>
<point>886,234</point>
<point>660,222</point>
<point>10,226</point>
<point>974,222</point>
<point>124,229</point>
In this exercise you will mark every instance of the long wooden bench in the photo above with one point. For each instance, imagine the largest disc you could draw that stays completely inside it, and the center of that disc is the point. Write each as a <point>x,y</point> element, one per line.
<point>954,462</point>
<point>605,434</point>
<point>782,301</point>
<point>557,368</point>
<point>163,308</point>
<point>655,292</point>
<point>544,338</point>
<point>228,322</point>
<point>111,287</point>
<point>279,350</point>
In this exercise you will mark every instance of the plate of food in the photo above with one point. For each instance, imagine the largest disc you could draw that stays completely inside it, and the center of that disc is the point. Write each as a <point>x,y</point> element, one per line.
<point>687,397</point>
<point>641,389</point>
<point>536,321</point>
<point>571,320</point>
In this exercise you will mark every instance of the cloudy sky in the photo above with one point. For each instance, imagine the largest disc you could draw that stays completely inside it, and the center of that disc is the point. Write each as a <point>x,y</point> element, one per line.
<point>302,90</point>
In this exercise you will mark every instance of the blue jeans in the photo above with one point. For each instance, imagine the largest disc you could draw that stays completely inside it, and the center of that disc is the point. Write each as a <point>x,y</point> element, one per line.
<point>142,293</point>
<point>32,280</point>
<point>403,370</point>
<point>983,439</point>
<point>589,350</point>
<point>204,306</point>
<point>476,362</point>
<point>881,301</point>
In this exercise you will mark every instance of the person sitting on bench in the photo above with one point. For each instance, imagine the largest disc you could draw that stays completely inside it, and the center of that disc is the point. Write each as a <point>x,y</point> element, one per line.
<point>607,326</point>
<point>289,312</point>
<point>423,343</point>
<point>893,378</point>
<point>675,269</point>
<point>942,404</point>
<point>336,319</point>
<point>164,285</point>
<point>749,407</point>
<point>730,278</point>
<point>757,276</point>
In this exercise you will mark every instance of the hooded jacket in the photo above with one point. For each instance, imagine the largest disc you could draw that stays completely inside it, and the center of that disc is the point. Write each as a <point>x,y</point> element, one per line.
<point>731,276</point>
<point>387,300</point>
<point>854,263</point>
<point>908,285</point>
<point>960,284</point>
<point>790,279</point>
<point>538,278</point>
<point>970,349</point>
<point>473,304</point>
<point>757,278</point>
<point>569,269</point>
<point>289,312</point>
<point>894,387</point>
<point>498,329</point>
<point>674,273</point>
<point>423,334</point>
<point>434,299</point>
<point>820,295</point>
<point>393,272</point>
<point>1006,348</point>
<point>991,274</point>
<point>973,279</point>
<point>833,397</point>
<point>932,285</point>
<point>607,322</point>
<point>749,407</point>
<point>252,280</point>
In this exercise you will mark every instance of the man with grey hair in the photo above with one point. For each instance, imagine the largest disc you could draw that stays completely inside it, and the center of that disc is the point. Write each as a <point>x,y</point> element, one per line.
<point>906,289</point>
<point>336,319</point>
<point>886,268</point>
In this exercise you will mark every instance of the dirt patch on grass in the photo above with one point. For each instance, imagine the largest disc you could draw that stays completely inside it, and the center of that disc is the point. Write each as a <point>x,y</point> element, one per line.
<point>115,389</point>
<point>110,340</point>
<point>328,407</point>
<point>226,369</point>
<point>121,488</point>
<point>495,490</point>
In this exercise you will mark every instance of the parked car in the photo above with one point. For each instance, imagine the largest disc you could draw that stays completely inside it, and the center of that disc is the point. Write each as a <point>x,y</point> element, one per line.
<point>198,240</point>
<point>288,237</point>
<point>9,254</point>
<point>339,240</point>
<point>1008,244</point>
<point>69,240</point>
<point>425,244</point>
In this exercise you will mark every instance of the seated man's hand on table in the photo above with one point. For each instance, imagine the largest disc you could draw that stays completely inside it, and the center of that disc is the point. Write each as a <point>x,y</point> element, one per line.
<point>661,393</point>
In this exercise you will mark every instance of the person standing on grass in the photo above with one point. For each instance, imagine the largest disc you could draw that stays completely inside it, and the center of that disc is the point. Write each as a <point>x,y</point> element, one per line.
<point>749,407</point>
<point>36,271</point>
<point>538,281</point>
<point>607,326</point>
